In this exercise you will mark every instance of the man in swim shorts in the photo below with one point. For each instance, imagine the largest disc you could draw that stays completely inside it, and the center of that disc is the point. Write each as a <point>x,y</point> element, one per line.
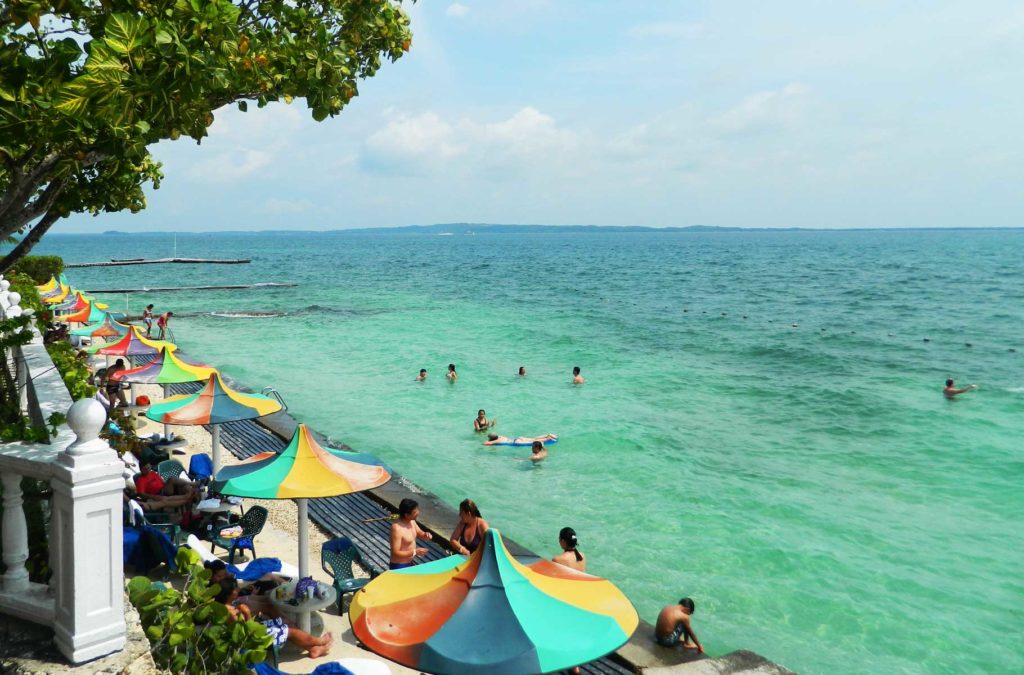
<point>404,533</point>
<point>673,627</point>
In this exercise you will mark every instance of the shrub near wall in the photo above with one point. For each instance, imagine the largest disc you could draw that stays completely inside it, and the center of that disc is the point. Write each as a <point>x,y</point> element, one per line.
<point>41,267</point>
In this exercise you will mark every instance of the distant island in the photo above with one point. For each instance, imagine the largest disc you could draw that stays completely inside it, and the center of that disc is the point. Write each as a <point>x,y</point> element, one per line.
<point>469,229</point>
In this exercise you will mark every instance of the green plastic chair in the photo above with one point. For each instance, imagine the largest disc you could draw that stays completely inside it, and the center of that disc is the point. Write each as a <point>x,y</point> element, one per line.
<point>169,469</point>
<point>251,523</point>
<point>336,557</point>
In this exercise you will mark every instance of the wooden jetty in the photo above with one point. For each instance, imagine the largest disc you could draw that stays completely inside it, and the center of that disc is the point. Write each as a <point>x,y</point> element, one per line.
<point>231,287</point>
<point>114,262</point>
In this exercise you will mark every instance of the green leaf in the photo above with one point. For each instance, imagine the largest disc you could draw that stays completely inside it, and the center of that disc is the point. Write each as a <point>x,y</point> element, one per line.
<point>124,32</point>
<point>155,632</point>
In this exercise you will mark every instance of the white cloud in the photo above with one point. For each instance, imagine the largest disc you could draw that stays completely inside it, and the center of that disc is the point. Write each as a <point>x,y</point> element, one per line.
<point>229,167</point>
<point>457,9</point>
<point>765,110</point>
<point>415,144</point>
<point>667,29</point>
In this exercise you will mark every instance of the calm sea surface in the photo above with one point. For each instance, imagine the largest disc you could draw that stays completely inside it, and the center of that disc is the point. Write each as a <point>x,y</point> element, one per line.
<point>762,426</point>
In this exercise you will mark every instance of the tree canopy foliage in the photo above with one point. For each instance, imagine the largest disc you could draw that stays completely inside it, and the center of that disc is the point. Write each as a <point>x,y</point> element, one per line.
<point>87,85</point>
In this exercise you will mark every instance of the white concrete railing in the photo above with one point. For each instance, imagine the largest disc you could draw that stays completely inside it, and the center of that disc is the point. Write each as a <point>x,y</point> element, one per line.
<point>84,602</point>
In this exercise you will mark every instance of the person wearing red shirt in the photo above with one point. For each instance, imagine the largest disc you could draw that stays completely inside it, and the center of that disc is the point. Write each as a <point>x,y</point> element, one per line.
<point>149,482</point>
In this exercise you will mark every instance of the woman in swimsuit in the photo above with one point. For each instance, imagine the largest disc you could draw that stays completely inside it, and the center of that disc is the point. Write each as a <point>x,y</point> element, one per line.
<point>570,557</point>
<point>147,318</point>
<point>471,528</point>
<point>451,374</point>
<point>481,423</point>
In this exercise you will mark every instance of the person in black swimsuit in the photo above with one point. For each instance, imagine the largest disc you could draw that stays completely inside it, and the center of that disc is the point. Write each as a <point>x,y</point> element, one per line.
<point>470,531</point>
<point>112,387</point>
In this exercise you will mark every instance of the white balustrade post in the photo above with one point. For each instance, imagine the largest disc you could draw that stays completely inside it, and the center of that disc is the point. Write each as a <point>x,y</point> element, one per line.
<point>15,536</point>
<point>86,540</point>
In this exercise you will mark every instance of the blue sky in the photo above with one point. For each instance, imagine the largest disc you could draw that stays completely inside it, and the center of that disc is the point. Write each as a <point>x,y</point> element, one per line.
<point>782,114</point>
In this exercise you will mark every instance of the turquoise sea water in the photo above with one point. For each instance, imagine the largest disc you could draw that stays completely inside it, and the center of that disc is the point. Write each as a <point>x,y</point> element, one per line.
<point>762,426</point>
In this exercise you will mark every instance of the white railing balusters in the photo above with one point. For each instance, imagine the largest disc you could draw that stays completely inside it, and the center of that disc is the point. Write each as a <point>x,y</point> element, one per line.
<point>15,535</point>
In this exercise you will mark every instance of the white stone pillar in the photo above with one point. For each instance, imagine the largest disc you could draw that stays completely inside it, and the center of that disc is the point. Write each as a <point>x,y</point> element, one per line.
<point>86,541</point>
<point>15,536</point>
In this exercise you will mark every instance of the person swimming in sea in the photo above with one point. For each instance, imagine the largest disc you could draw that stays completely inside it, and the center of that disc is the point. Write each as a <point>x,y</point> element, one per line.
<point>951,391</point>
<point>495,439</point>
<point>481,423</point>
<point>422,376</point>
<point>451,374</point>
<point>576,377</point>
<point>538,453</point>
<point>522,371</point>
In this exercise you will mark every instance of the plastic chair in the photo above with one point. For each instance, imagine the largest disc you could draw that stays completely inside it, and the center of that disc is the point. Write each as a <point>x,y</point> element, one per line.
<point>170,468</point>
<point>251,523</point>
<point>161,520</point>
<point>200,467</point>
<point>336,557</point>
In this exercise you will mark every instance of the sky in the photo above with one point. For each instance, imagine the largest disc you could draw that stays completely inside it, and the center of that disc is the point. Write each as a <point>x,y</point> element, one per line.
<point>672,113</point>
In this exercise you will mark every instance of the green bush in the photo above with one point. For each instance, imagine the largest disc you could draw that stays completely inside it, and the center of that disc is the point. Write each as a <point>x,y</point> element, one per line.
<point>72,369</point>
<point>23,284</point>
<point>189,631</point>
<point>41,267</point>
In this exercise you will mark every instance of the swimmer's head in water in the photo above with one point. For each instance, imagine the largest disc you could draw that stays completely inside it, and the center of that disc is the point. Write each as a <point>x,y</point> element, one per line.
<point>537,447</point>
<point>423,371</point>
<point>949,383</point>
<point>451,367</point>
<point>522,370</point>
<point>567,537</point>
<point>481,413</point>
<point>687,605</point>
<point>492,437</point>
<point>575,370</point>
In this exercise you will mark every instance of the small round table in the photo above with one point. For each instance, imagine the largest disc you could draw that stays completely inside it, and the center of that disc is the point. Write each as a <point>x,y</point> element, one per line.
<point>284,604</point>
<point>219,508</point>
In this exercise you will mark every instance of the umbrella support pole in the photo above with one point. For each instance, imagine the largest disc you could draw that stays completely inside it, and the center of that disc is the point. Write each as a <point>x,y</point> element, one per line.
<point>216,448</point>
<point>167,427</point>
<point>303,554</point>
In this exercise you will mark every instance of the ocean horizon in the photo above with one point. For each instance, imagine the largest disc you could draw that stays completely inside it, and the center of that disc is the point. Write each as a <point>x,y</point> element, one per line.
<point>762,427</point>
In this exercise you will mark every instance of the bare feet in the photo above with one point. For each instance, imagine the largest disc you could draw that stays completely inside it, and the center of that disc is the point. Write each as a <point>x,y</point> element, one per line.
<point>323,647</point>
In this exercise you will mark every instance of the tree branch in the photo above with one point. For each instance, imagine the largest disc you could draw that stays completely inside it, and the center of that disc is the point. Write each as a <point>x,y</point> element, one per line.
<point>13,223</point>
<point>19,194</point>
<point>30,240</point>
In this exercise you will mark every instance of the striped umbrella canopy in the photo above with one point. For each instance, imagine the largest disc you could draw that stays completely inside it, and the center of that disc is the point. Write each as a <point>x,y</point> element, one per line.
<point>48,286</point>
<point>165,369</point>
<point>106,328</point>
<point>83,300</point>
<point>491,614</point>
<point>132,344</point>
<point>303,470</point>
<point>88,314</point>
<point>214,404</point>
<point>57,295</point>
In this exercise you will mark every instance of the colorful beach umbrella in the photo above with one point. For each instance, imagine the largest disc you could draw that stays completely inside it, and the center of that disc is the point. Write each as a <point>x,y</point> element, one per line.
<point>88,314</point>
<point>303,470</point>
<point>57,295</point>
<point>132,344</point>
<point>491,614</point>
<point>105,328</point>
<point>48,286</point>
<point>214,404</point>
<point>165,369</point>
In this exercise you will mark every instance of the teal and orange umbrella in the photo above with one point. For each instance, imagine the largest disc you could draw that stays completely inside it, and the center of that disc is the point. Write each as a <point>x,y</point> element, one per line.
<point>88,314</point>
<point>214,404</point>
<point>491,614</point>
<point>303,470</point>
<point>105,328</point>
<point>165,369</point>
